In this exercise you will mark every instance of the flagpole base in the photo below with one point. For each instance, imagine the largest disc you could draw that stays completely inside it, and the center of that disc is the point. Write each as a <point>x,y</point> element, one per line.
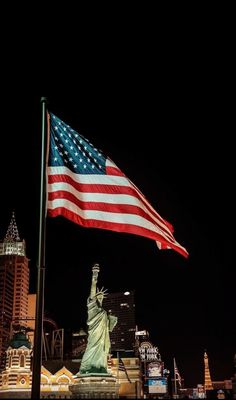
<point>95,386</point>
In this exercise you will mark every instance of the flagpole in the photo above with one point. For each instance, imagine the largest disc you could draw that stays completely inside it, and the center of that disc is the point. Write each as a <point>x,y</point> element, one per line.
<point>37,349</point>
<point>118,361</point>
<point>175,385</point>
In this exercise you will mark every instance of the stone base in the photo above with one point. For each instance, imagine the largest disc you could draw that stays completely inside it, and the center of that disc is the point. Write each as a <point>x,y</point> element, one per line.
<point>95,386</point>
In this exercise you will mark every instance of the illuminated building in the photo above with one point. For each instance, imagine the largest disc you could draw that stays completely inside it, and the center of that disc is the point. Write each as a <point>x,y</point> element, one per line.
<point>16,378</point>
<point>122,306</point>
<point>57,375</point>
<point>79,342</point>
<point>14,285</point>
<point>207,376</point>
<point>234,378</point>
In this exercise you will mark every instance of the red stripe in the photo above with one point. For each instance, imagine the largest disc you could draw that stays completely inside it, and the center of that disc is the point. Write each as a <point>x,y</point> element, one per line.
<point>114,171</point>
<point>114,226</point>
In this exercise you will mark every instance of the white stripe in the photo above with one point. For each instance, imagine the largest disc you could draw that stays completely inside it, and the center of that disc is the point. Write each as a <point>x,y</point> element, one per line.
<point>110,163</point>
<point>105,198</point>
<point>129,219</point>
<point>90,178</point>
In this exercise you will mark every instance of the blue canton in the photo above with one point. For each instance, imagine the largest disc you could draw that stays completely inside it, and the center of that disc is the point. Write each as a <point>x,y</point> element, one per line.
<point>70,149</point>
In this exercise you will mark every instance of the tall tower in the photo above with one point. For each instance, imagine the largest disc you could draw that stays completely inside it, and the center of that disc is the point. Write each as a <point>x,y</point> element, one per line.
<point>207,376</point>
<point>122,306</point>
<point>14,285</point>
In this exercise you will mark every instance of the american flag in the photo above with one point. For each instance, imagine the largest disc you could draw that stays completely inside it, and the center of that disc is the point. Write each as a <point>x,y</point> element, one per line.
<point>87,187</point>
<point>121,367</point>
<point>177,375</point>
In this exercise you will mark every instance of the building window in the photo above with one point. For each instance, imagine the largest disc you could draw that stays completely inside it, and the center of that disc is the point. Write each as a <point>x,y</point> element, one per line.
<point>22,360</point>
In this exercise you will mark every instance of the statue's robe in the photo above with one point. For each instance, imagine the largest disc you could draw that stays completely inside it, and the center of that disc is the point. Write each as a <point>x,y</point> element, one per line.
<point>99,324</point>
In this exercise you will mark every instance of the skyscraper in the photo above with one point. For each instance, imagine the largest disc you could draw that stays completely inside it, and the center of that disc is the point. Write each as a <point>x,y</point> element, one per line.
<point>14,284</point>
<point>122,306</point>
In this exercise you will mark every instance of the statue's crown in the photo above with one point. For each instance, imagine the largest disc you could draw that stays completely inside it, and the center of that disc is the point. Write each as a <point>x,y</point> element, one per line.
<point>102,291</point>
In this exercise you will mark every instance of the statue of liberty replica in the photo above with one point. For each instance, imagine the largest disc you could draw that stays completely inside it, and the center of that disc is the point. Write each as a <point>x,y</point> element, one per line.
<point>99,325</point>
<point>94,379</point>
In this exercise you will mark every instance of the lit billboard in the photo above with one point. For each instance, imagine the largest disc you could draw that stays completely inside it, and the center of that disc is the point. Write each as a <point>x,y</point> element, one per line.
<point>154,369</point>
<point>157,385</point>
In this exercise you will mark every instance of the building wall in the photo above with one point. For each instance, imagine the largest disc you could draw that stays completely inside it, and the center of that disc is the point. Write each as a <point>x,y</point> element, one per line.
<point>21,290</point>
<point>6,302</point>
<point>14,289</point>
<point>57,383</point>
<point>31,316</point>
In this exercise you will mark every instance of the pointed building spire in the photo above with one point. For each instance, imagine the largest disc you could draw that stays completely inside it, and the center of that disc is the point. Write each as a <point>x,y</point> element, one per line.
<point>207,376</point>
<point>12,234</point>
<point>12,244</point>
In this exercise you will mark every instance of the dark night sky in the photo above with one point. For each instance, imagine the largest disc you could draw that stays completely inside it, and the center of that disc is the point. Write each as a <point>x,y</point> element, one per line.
<point>174,141</point>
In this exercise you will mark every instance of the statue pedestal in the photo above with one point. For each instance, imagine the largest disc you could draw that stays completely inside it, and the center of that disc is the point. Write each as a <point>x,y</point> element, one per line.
<point>95,386</point>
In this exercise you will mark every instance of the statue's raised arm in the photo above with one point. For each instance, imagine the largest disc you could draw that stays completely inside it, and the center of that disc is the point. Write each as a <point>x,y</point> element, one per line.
<point>95,271</point>
<point>94,360</point>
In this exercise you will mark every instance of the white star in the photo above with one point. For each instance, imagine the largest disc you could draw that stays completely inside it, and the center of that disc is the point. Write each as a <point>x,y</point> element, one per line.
<point>66,152</point>
<point>71,147</point>
<point>55,147</point>
<point>61,154</point>
<point>66,140</point>
<point>71,159</point>
<point>88,159</point>
<point>61,134</point>
<point>80,160</point>
<point>76,153</point>
<point>59,123</point>
<point>100,166</point>
<point>76,135</point>
<point>64,129</point>
<point>93,166</point>
<point>55,159</point>
<point>85,166</point>
<point>75,165</point>
<point>56,128</point>
<point>61,145</point>
<point>85,147</point>
<point>80,141</point>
